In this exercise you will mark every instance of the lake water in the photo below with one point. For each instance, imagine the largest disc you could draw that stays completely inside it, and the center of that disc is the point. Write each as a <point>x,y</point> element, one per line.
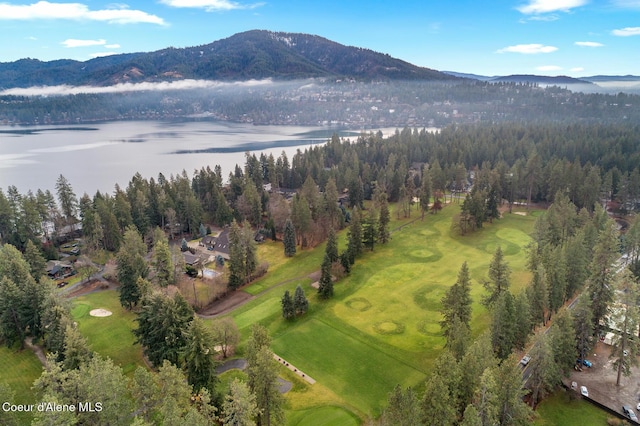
<point>97,156</point>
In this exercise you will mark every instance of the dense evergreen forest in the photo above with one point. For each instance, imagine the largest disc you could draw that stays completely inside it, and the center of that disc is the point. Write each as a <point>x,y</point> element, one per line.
<point>571,167</point>
<point>344,102</point>
<point>529,163</point>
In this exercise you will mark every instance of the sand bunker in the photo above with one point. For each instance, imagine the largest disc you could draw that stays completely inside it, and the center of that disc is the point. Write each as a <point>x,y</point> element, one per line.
<point>100,313</point>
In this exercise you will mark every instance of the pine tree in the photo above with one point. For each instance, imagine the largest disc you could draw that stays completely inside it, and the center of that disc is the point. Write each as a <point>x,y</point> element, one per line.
<point>345,261</point>
<point>498,282</point>
<point>131,266</point>
<point>300,302</point>
<point>331,249</point>
<point>563,342</point>
<point>239,406</point>
<point>625,319</point>
<point>263,382</point>
<point>425,190</point>
<point>503,325</point>
<point>457,301</point>
<point>236,257</point>
<point>67,198</point>
<point>37,264</point>
<point>288,310</point>
<point>537,295</point>
<point>437,406</point>
<point>199,356</point>
<point>163,263</point>
<point>370,230</point>
<point>403,408</point>
<point>354,244</point>
<point>76,350</point>
<point>600,286</point>
<point>289,239</point>
<point>325,285</point>
<point>512,410</point>
<point>384,234</point>
<point>583,325</point>
<point>545,374</point>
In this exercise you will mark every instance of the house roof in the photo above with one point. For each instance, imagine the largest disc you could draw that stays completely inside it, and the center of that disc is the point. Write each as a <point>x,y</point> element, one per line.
<point>208,240</point>
<point>222,242</point>
<point>190,259</point>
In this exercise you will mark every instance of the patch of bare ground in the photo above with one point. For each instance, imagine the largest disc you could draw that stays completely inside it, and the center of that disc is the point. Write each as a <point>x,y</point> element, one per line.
<point>89,287</point>
<point>600,380</point>
<point>225,304</point>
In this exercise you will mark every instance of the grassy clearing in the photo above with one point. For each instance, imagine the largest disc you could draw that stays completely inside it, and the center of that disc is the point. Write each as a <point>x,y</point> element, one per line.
<point>19,369</point>
<point>381,328</point>
<point>343,362</point>
<point>109,336</point>
<point>561,409</point>
<point>322,416</point>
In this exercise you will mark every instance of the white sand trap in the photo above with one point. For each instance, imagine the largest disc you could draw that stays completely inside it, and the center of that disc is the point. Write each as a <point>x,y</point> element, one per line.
<point>521,213</point>
<point>100,313</point>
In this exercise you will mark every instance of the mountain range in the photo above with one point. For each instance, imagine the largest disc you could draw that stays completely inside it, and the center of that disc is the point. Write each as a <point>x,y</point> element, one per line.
<point>256,54</point>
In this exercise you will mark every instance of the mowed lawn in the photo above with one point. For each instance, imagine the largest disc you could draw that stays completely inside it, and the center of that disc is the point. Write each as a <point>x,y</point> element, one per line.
<point>19,369</point>
<point>561,409</point>
<point>382,326</point>
<point>109,336</point>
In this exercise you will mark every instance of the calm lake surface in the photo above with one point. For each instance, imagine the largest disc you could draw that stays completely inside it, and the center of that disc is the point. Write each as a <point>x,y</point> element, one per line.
<point>97,156</point>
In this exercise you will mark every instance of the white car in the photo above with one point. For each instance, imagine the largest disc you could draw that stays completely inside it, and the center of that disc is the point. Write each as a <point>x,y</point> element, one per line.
<point>584,391</point>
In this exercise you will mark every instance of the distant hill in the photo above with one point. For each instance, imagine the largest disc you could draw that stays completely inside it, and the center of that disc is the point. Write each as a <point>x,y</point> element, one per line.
<point>611,78</point>
<point>540,79</point>
<point>471,76</point>
<point>250,55</point>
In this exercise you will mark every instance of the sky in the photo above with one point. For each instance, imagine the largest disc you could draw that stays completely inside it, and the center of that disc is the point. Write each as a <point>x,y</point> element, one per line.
<point>495,37</point>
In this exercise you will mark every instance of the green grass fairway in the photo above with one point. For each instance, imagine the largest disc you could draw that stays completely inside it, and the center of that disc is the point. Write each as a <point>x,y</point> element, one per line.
<point>345,363</point>
<point>109,336</point>
<point>382,326</point>
<point>322,416</point>
<point>559,409</point>
<point>19,369</point>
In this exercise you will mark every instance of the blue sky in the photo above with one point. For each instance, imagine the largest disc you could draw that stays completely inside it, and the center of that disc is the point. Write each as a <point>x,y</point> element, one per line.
<point>498,37</point>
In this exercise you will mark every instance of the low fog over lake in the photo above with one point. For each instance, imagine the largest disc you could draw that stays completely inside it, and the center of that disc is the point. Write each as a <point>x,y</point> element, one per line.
<point>97,156</point>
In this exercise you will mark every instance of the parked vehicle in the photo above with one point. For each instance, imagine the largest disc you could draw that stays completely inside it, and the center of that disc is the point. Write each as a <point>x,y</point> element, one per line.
<point>628,411</point>
<point>574,386</point>
<point>584,391</point>
<point>525,360</point>
<point>584,362</point>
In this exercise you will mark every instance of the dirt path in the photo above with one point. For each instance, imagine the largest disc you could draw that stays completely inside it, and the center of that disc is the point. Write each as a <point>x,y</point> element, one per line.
<point>28,342</point>
<point>238,298</point>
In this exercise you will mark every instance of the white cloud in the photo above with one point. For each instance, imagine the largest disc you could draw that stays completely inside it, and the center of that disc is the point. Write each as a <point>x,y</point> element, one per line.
<point>75,11</point>
<point>626,32</point>
<point>528,49</point>
<point>549,68</point>
<point>627,4</point>
<point>112,46</point>
<point>210,5</point>
<point>588,44</point>
<point>129,87</point>
<point>577,69</point>
<point>544,18</point>
<point>72,42</point>
<point>536,7</point>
